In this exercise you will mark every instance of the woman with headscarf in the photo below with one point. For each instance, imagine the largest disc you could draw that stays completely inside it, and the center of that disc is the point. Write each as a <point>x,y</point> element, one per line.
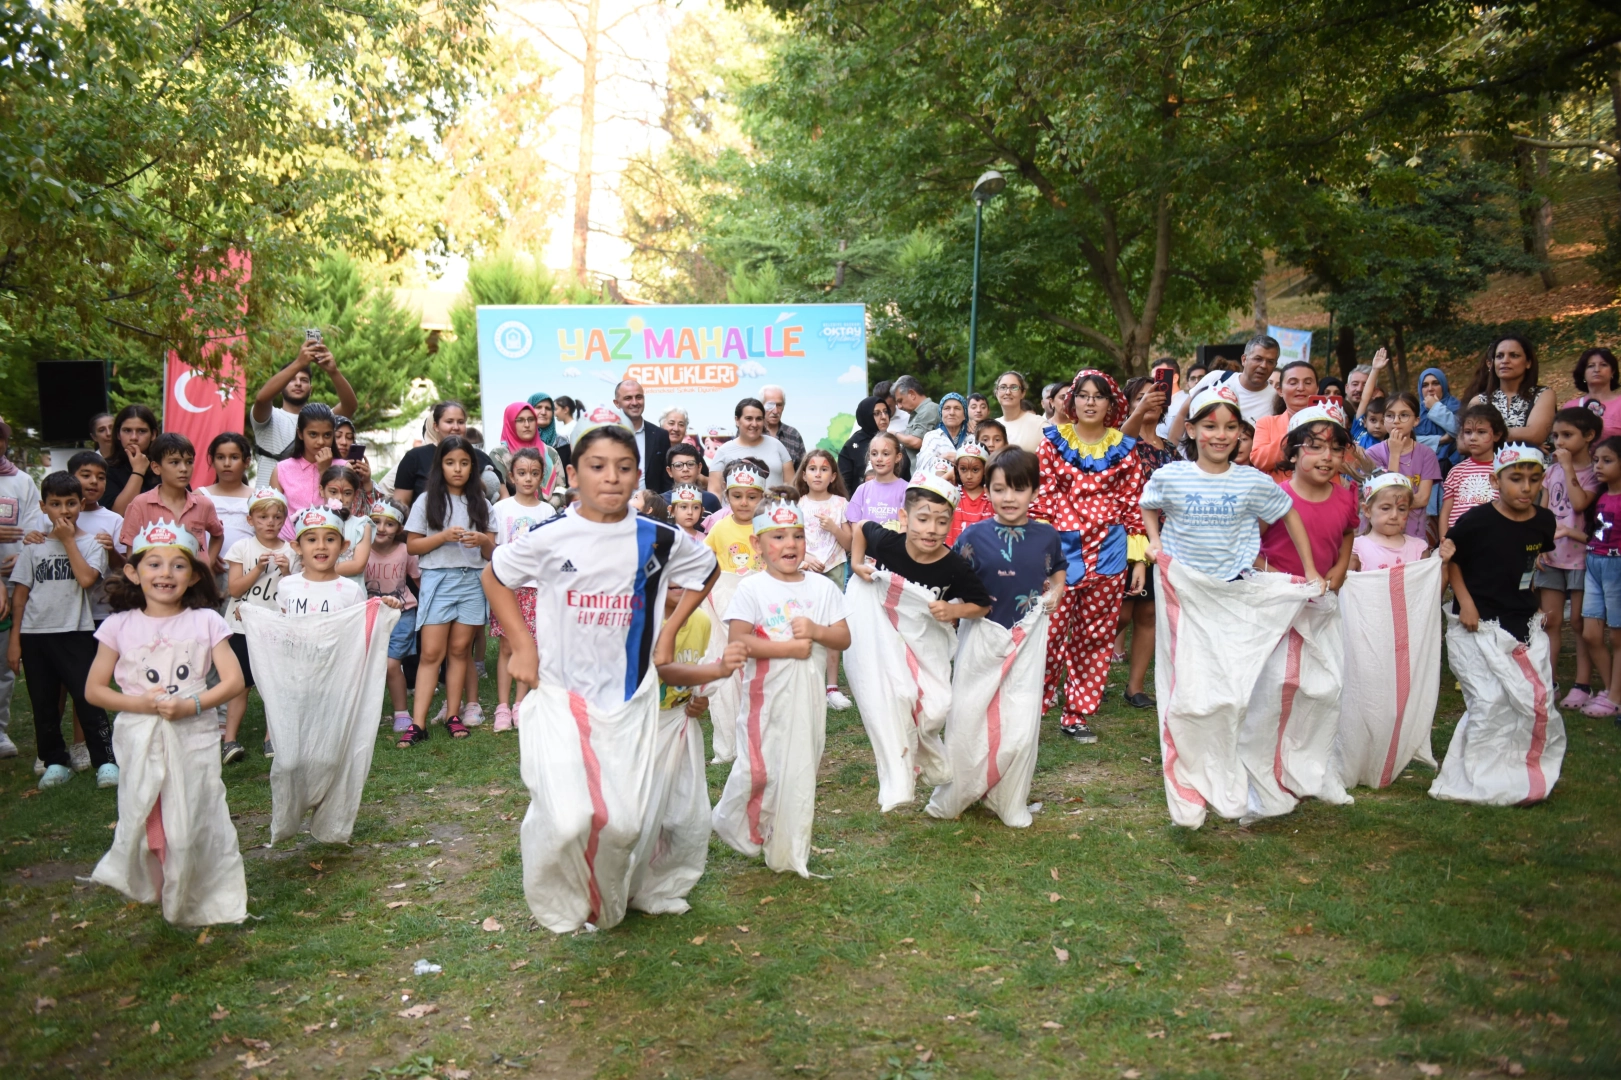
<point>1091,481</point>
<point>520,430</point>
<point>549,433</point>
<point>942,444</point>
<point>872,416</point>
<point>1438,426</point>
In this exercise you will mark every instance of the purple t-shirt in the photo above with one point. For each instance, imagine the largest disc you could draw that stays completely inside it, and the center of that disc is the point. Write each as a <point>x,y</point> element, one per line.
<point>173,655</point>
<point>878,502</point>
<point>1419,463</point>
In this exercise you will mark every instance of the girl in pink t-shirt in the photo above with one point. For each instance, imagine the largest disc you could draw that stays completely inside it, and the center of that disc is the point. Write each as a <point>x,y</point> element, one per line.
<point>1314,449</point>
<point>298,475</point>
<point>1387,503</point>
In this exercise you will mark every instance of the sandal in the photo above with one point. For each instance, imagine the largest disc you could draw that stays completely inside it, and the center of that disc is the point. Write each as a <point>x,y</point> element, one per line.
<point>410,737</point>
<point>457,729</point>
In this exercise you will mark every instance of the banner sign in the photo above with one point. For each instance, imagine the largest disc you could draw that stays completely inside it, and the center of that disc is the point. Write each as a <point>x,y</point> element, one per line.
<point>703,358</point>
<point>1292,344</point>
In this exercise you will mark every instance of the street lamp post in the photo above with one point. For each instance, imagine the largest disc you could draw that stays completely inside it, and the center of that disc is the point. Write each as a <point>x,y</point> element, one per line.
<point>986,188</point>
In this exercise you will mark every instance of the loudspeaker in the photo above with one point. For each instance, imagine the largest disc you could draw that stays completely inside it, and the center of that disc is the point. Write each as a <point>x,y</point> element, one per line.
<point>1222,356</point>
<point>70,393</point>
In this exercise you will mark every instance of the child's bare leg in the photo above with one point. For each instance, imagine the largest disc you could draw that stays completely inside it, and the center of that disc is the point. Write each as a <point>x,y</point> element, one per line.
<point>833,668</point>
<point>1553,612</point>
<point>1584,662</point>
<point>503,653</point>
<point>469,671</point>
<point>1142,644</point>
<point>396,685</point>
<point>435,640</point>
<point>460,667</point>
<point>235,710</point>
<point>1597,651</point>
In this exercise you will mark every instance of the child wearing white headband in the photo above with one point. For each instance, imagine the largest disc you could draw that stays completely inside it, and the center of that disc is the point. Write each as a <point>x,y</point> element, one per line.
<point>1386,500</point>
<point>254,569</point>
<point>731,537</point>
<point>389,571</point>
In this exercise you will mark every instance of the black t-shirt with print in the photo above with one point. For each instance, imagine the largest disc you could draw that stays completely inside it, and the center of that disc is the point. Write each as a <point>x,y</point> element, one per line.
<point>950,578</point>
<point>1498,558</point>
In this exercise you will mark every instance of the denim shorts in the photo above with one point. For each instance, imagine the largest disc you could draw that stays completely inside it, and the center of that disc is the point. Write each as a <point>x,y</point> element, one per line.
<point>1566,581</point>
<point>452,595</point>
<point>402,640</point>
<point>1602,598</point>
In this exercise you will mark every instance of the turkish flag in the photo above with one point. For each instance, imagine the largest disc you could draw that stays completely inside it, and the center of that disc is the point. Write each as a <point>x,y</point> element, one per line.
<point>201,406</point>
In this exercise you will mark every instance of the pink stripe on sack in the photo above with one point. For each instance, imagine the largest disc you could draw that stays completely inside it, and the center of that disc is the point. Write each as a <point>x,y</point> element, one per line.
<point>371,617</point>
<point>1291,686</point>
<point>156,840</point>
<point>1173,611</point>
<point>1537,784</point>
<point>993,714</point>
<point>892,597</point>
<point>757,773</point>
<point>599,806</point>
<point>1404,675</point>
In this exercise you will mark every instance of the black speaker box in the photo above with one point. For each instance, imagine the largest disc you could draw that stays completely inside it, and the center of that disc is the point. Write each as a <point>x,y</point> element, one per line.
<point>70,393</point>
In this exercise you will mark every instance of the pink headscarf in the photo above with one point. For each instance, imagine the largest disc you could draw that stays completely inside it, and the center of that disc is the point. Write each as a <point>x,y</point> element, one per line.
<point>509,430</point>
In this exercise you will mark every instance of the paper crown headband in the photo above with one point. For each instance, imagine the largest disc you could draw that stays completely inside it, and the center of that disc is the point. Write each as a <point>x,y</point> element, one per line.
<point>267,494</point>
<point>973,450</point>
<point>1209,398</point>
<point>162,534</point>
<point>937,485</point>
<point>1517,454</point>
<point>743,475</point>
<point>316,517</point>
<point>1328,412</point>
<point>601,416</point>
<point>686,495</point>
<point>778,515</point>
<point>387,511</point>
<point>1385,480</point>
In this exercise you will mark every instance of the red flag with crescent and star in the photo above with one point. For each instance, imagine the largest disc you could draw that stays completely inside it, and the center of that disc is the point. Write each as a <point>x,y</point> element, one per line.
<point>200,405</point>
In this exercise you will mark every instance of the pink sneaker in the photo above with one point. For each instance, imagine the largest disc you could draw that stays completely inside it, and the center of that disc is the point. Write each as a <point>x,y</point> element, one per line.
<point>1599,705</point>
<point>503,718</point>
<point>1575,699</point>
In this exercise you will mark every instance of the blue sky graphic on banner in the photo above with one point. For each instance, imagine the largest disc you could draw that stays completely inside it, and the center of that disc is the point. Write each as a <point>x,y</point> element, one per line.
<point>701,357</point>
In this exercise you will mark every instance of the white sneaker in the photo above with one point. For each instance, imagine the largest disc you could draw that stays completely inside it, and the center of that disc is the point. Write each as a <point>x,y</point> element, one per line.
<point>836,700</point>
<point>438,717</point>
<point>39,767</point>
<point>7,747</point>
<point>472,714</point>
<point>79,755</point>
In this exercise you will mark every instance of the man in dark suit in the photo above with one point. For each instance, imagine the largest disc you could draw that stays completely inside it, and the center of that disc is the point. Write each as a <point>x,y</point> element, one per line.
<point>651,440</point>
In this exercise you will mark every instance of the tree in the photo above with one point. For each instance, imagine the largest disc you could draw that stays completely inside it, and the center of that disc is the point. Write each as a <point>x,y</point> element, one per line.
<point>140,143</point>
<point>1406,252</point>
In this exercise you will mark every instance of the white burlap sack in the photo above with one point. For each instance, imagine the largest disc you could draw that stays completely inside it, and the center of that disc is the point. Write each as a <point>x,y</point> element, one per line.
<point>174,842</point>
<point>724,696</point>
<point>1212,638</point>
<point>617,798</point>
<point>1510,744</point>
<point>995,723</point>
<point>1391,622</point>
<point>899,666</point>
<point>1293,720</point>
<point>322,678</point>
<point>769,802</point>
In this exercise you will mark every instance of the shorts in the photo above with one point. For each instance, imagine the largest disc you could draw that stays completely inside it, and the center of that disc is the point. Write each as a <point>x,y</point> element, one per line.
<point>1602,597</point>
<point>1148,583</point>
<point>526,604</point>
<point>1566,581</point>
<point>402,640</point>
<point>839,574</point>
<point>239,645</point>
<point>452,595</point>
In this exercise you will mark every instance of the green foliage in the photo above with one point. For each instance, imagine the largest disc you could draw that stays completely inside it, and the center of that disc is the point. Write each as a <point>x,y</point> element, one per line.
<point>762,286</point>
<point>1406,252</point>
<point>142,143</point>
<point>839,429</point>
<point>506,277</point>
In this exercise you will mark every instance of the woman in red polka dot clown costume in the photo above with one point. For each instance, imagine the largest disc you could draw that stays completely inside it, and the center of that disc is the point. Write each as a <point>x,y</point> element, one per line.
<point>1090,484</point>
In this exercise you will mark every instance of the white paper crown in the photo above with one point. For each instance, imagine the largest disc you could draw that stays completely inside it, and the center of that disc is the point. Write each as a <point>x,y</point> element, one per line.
<point>1518,454</point>
<point>160,534</point>
<point>937,485</point>
<point>778,515</point>
<point>316,517</point>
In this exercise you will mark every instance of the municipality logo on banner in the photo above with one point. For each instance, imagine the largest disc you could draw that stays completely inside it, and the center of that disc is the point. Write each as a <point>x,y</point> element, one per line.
<point>703,358</point>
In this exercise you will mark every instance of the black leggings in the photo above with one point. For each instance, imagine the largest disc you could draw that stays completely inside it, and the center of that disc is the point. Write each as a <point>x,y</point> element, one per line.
<point>54,662</point>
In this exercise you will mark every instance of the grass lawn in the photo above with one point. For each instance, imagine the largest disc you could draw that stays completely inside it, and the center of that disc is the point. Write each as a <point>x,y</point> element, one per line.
<point>1400,937</point>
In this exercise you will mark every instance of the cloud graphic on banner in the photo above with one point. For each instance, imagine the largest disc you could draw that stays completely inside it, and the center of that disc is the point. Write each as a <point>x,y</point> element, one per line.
<point>752,369</point>
<point>854,375</point>
<point>785,316</point>
<point>571,373</point>
<point>607,377</point>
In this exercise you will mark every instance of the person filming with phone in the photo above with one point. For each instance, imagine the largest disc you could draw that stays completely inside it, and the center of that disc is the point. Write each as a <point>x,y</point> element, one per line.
<point>274,426</point>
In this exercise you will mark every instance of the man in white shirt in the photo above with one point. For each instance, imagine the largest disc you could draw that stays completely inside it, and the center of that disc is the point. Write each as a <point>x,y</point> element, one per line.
<point>652,441</point>
<point>274,426</point>
<point>1256,398</point>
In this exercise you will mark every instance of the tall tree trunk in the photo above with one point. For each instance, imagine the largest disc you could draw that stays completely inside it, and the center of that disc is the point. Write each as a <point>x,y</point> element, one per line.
<point>1261,320</point>
<point>1399,354</point>
<point>1615,109</point>
<point>1345,350</point>
<point>584,173</point>
<point>1536,211</point>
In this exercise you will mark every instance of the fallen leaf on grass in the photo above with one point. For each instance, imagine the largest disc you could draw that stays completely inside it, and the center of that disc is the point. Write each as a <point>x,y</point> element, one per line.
<point>458,1074</point>
<point>175,998</point>
<point>1380,1001</point>
<point>1427,1069</point>
<point>1052,1025</point>
<point>316,867</point>
<point>700,939</point>
<point>1054,873</point>
<point>80,925</point>
<point>417,1012</point>
<point>1219,1036</point>
<point>1558,1021</point>
<point>1302,931</point>
<point>907,941</point>
<point>155,1028</point>
<point>1132,1074</point>
<point>1156,1034</point>
<point>398,904</point>
<point>219,1013</point>
<point>491,925</point>
<point>517,964</point>
<point>1053,898</point>
<point>1306,880</point>
<point>125,1002</point>
<point>498,791</point>
<point>822,850</point>
<point>742,929</point>
<point>43,1003</point>
<point>311,1029</point>
<point>1062,955</point>
<point>766,900</point>
<point>1514,1068</point>
<point>204,938</point>
<point>250,1060</point>
<point>29,793</point>
<point>256,1044</point>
